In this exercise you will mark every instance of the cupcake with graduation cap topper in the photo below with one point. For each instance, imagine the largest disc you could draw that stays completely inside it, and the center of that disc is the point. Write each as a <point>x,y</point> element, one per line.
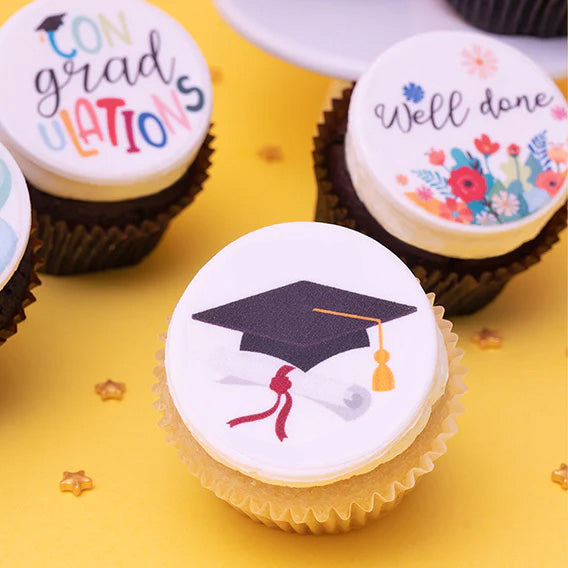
<point>18,258</point>
<point>451,151</point>
<point>107,110</point>
<point>307,378</point>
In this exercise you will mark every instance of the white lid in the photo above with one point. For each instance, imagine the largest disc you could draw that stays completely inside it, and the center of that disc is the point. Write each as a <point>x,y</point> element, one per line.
<point>104,100</point>
<point>15,216</point>
<point>220,359</point>
<point>456,144</point>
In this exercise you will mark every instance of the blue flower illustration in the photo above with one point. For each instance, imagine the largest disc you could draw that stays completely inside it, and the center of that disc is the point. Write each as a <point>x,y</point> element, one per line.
<point>413,93</point>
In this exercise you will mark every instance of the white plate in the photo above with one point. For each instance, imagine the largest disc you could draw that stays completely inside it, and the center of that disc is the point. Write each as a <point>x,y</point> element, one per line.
<point>340,38</point>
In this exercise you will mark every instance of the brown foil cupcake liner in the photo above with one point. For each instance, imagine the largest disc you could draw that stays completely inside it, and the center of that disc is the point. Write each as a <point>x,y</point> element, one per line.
<point>336,507</point>
<point>461,286</point>
<point>17,295</point>
<point>542,18</point>
<point>71,248</point>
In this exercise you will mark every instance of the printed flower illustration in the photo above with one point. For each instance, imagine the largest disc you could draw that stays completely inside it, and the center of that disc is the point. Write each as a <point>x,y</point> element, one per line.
<point>467,184</point>
<point>485,218</point>
<point>401,179</point>
<point>487,182</point>
<point>454,210</point>
<point>505,203</point>
<point>479,61</point>
<point>558,112</point>
<point>436,157</point>
<point>413,93</point>
<point>424,193</point>
<point>558,154</point>
<point>485,145</point>
<point>550,181</point>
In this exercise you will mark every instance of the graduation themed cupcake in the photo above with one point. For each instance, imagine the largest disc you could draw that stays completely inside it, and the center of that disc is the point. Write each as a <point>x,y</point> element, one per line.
<point>307,379</point>
<point>106,106</point>
<point>18,258</point>
<point>451,151</point>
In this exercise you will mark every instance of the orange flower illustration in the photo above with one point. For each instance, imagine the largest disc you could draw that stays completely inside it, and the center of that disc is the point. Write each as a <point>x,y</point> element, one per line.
<point>479,61</point>
<point>401,179</point>
<point>456,211</point>
<point>485,145</point>
<point>550,181</point>
<point>558,154</point>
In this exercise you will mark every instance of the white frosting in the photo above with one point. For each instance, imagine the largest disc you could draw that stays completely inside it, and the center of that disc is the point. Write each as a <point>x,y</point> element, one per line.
<point>212,381</point>
<point>15,216</point>
<point>114,104</point>
<point>436,183</point>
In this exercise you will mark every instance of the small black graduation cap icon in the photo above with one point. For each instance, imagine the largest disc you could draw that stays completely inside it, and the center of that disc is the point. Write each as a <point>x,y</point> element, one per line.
<point>305,323</point>
<point>51,23</point>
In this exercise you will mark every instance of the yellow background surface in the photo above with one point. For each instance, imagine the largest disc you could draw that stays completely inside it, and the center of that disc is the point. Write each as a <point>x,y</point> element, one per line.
<point>489,502</point>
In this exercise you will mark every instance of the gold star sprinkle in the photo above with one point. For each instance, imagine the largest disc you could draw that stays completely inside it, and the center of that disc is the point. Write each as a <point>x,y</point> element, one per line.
<point>76,482</point>
<point>488,338</point>
<point>271,153</point>
<point>110,390</point>
<point>216,74</point>
<point>560,476</point>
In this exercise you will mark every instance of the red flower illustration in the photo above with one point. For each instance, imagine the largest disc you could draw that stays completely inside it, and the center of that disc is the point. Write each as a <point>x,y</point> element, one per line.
<point>514,150</point>
<point>468,184</point>
<point>550,181</point>
<point>485,146</point>
<point>456,211</point>
<point>436,157</point>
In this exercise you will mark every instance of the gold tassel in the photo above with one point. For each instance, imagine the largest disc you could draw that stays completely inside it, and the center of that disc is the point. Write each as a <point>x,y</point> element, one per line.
<point>383,378</point>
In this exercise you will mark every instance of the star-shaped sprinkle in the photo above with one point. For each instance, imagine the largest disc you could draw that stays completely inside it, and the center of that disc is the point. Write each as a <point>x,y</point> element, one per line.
<point>216,74</point>
<point>488,338</point>
<point>110,390</point>
<point>76,482</point>
<point>560,476</point>
<point>271,153</point>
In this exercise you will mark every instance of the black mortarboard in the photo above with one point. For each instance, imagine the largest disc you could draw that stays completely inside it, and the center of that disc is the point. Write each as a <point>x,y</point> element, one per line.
<point>282,322</point>
<point>51,23</point>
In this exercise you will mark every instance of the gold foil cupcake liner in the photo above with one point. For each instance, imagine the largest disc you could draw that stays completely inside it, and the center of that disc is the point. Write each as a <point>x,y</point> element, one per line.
<point>336,507</point>
<point>20,286</point>
<point>460,293</point>
<point>71,249</point>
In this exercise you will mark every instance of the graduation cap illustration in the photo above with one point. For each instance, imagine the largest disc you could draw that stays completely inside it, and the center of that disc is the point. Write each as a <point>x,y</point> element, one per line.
<point>51,23</point>
<point>304,324</point>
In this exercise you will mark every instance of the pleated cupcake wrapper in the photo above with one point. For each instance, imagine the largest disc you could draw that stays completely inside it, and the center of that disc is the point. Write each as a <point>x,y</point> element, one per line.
<point>458,293</point>
<point>542,18</point>
<point>71,250</point>
<point>10,326</point>
<point>336,507</point>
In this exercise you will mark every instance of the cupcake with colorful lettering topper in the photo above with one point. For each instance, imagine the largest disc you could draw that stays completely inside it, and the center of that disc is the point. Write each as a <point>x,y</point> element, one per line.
<point>18,256</point>
<point>307,378</point>
<point>107,111</point>
<point>451,151</point>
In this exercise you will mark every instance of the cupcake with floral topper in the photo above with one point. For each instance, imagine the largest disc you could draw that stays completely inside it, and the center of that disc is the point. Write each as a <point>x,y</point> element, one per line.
<point>107,111</point>
<point>450,150</point>
<point>18,256</point>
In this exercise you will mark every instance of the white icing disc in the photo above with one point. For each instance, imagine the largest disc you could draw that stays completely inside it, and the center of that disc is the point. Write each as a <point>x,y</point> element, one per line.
<point>15,216</point>
<point>102,101</point>
<point>456,144</point>
<point>272,355</point>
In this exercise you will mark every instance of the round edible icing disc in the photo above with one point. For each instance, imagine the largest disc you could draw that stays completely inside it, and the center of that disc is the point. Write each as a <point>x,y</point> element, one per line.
<point>15,216</point>
<point>272,352</point>
<point>457,144</point>
<point>104,100</point>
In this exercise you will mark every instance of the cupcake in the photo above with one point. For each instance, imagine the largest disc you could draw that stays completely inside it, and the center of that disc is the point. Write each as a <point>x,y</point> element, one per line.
<point>542,18</point>
<point>18,259</point>
<point>107,111</point>
<point>307,379</point>
<point>451,151</point>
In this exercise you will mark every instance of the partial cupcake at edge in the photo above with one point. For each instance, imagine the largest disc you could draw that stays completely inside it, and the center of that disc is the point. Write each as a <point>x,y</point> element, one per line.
<point>451,151</point>
<point>18,247</point>
<point>108,114</point>
<point>307,378</point>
